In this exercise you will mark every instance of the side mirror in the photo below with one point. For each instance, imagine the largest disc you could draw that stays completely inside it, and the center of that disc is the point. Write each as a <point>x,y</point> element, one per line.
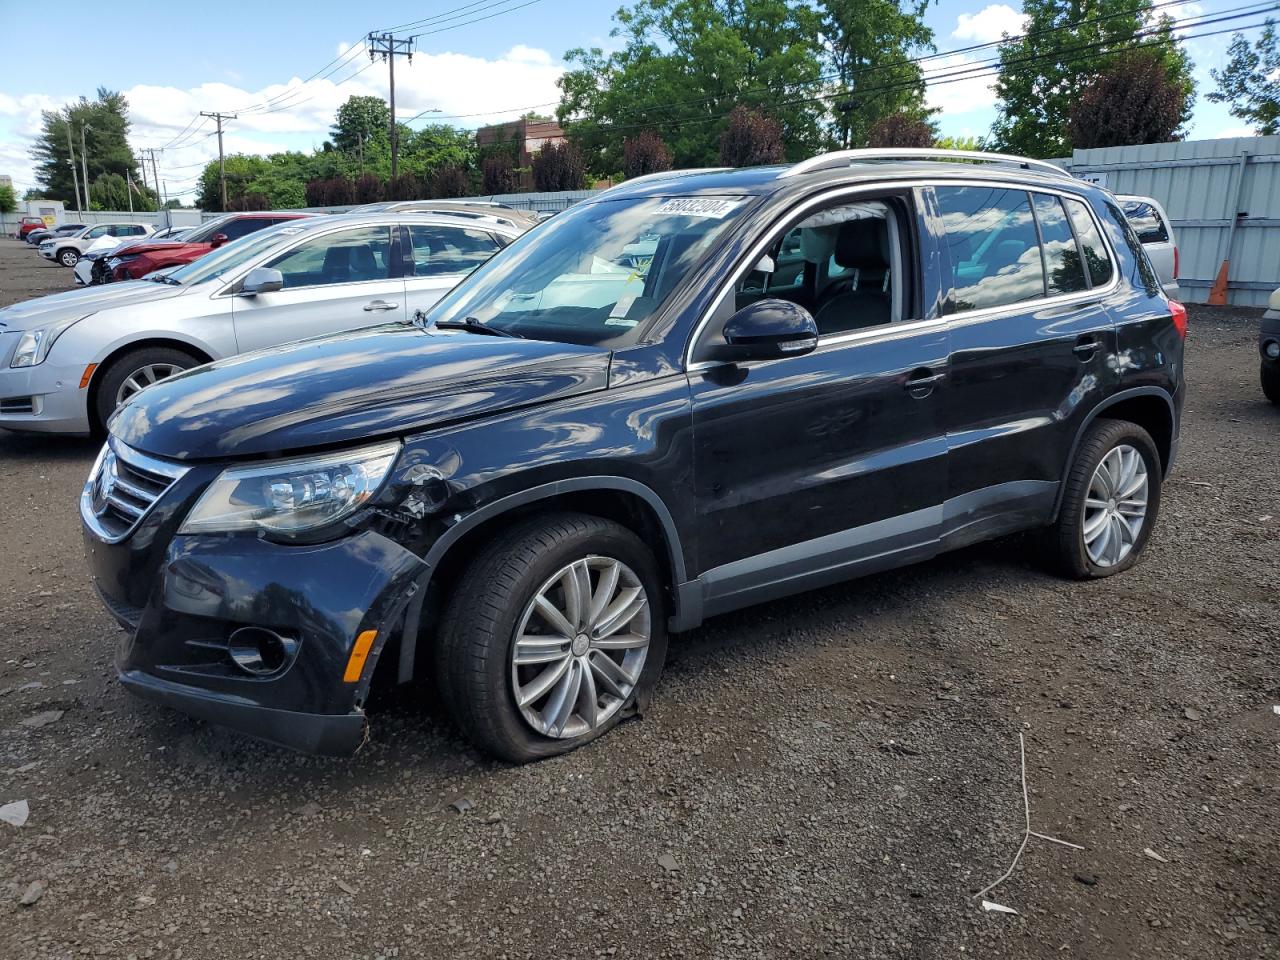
<point>217,240</point>
<point>261,280</point>
<point>766,330</point>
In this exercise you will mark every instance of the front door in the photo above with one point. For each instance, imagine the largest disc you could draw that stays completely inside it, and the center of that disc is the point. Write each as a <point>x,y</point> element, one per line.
<point>337,281</point>
<point>809,469</point>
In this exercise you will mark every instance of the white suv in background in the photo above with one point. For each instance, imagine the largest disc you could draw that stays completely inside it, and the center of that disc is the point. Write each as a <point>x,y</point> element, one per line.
<point>68,360</point>
<point>1155,233</point>
<point>68,250</point>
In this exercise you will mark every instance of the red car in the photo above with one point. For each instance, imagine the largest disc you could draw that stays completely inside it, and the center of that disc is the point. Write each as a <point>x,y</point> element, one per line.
<point>136,260</point>
<point>28,224</point>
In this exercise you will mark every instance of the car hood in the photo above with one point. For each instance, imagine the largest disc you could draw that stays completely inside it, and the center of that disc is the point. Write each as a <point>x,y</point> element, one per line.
<point>349,388</point>
<point>78,303</point>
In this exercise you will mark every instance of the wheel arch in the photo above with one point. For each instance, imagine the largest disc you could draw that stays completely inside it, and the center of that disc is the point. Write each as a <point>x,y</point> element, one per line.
<point>1151,408</point>
<point>621,499</point>
<point>95,381</point>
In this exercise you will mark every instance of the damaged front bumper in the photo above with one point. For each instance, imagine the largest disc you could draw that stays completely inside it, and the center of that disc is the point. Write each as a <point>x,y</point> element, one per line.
<point>187,603</point>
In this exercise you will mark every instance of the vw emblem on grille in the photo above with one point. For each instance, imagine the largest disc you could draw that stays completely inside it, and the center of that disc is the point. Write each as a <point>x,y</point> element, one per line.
<point>105,484</point>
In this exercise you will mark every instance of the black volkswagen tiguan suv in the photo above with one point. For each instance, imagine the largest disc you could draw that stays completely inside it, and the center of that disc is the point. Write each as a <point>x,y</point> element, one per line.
<point>694,392</point>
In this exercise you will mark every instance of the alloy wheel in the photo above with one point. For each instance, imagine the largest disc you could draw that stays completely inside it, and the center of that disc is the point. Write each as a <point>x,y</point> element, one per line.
<point>145,377</point>
<point>580,647</point>
<point>1115,507</point>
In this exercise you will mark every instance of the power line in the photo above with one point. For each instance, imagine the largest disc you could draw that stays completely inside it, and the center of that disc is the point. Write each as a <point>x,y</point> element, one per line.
<point>443,16</point>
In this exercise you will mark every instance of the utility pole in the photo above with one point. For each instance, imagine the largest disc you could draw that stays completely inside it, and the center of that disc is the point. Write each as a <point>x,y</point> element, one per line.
<point>143,164</point>
<point>84,161</point>
<point>360,141</point>
<point>222,166</point>
<point>388,47</point>
<point>75,178</point>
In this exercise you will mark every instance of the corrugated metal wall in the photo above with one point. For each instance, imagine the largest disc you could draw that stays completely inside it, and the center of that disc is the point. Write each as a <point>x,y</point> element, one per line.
<point>1200,185</point>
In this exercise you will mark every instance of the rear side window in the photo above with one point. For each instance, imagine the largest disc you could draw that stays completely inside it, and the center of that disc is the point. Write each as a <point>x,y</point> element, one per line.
<point>1064,271</point>
<point>442,251</point>
<point>1096,259</point>
<point>348,256</point>
<point>1147,222</point>
<point>993,246</point>
<point>239,227</point>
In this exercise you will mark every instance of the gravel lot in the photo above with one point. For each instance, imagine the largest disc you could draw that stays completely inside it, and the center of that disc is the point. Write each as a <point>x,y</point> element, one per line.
<point>832,775</point>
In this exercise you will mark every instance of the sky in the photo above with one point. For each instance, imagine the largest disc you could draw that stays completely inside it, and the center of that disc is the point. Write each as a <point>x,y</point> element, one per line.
<point>286,67</point>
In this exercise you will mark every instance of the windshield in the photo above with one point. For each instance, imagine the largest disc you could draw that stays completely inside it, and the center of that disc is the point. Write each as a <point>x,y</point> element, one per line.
<point>594,273</point>
<point>232,254</point>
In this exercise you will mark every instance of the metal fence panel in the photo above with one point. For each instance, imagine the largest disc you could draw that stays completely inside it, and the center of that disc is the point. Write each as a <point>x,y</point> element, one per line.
<point>1206,186</point>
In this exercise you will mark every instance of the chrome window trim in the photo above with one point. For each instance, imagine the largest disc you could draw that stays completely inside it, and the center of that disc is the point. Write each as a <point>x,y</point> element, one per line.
<point>964,316</point>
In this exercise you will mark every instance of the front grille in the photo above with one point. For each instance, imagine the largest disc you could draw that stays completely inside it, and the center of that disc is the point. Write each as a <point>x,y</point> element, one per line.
<point>122,488</point>
<point>17,405</point>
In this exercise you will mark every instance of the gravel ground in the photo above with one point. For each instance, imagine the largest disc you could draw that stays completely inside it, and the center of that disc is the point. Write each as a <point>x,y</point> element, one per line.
<point>831,775</point>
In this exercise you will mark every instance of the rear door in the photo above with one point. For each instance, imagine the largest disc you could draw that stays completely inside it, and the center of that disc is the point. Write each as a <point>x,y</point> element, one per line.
<point>336,281</point>
<point>438,256</point>
<point>1033,349</point>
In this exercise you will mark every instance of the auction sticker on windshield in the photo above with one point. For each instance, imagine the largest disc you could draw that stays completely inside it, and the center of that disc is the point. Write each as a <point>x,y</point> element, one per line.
<point>699,207</point>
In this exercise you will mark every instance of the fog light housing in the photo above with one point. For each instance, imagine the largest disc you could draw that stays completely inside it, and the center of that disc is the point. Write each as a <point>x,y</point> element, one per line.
<point>1271,349</point>
<point>259,652</point>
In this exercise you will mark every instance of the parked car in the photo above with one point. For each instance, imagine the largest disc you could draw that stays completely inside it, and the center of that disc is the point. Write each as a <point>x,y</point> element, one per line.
<point>461,208</point>
<point>35,237</point>
<point>137,260</point>
<point>526,491</point>
<point>67,250</point>
<point>92,267</point>
<point>1155,232</point>
<point>67,360</point>
<point>1269,348</point>
<point>27,224</point>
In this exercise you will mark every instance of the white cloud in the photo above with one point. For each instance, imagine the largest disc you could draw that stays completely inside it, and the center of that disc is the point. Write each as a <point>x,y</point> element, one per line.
<point>467,91</point>
<point>989,23</point>
<point>959,86</point>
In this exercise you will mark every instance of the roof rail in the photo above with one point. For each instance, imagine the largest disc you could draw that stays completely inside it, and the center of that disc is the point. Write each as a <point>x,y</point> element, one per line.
<point>843,158</point>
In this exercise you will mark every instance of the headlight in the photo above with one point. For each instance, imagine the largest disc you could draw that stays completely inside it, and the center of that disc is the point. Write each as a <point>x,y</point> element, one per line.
<point>34,344</point>
<point>292,497</point>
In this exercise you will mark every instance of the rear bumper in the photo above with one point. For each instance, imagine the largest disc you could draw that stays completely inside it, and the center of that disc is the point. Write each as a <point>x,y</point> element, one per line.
<point>327,734</point>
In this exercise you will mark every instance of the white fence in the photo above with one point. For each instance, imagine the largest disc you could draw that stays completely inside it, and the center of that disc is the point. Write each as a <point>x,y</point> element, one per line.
<point>1223,197</point>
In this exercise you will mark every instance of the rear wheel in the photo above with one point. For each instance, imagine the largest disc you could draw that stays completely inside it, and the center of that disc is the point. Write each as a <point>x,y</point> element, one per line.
<point>135,371</point>
<point>1110,503</point>
<point>553,635</point>
<point>68,257</point>
<point>1271,383</point>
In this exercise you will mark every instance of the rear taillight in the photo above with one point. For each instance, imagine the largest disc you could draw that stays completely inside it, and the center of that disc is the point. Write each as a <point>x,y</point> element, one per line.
<point>1179,314</point>
<point>1175,263</point>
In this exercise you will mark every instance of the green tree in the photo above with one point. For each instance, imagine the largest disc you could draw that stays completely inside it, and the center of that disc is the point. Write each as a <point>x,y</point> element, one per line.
<point>683,66</point>
<point>109,192</point>
<point>1134,100</point>
<point>900,130</point>
<point>1067,43</point>
<point>869,45</point>
<point>361,118</point>
<point>8,205</point>
<point>1251,81</point>
<point>105,137</point>
<point>960,143</point>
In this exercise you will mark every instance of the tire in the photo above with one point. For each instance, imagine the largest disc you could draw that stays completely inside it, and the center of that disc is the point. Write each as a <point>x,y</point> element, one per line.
<point>118,373</point>
<point>1271,383</point>
<point>1067,542</point>
<point>475,670</point>
<point>68,257</point>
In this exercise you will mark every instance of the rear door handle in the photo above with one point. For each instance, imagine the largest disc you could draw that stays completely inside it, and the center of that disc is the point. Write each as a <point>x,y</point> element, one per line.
<point>380,305</point>
<point>921,381</point>
<point>1086,347</point>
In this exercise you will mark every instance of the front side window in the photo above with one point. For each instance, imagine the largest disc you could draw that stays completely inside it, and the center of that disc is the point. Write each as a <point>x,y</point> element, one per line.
<point>441,251</point>
<point>1064,272</point>
<point>244,225</point>
<point>595,273</point>
<point>347,256</point>
<point>100,231</point>
<point>993,247</point>
<point>1097,260</point>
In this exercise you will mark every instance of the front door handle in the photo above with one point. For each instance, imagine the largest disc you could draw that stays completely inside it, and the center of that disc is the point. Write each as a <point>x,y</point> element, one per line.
<point>921,382</point>
<point>380,305</point>
<point>1086,346</point>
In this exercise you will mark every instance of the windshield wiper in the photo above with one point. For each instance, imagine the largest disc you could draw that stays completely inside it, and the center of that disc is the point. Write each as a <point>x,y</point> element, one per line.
<point>475,326</point>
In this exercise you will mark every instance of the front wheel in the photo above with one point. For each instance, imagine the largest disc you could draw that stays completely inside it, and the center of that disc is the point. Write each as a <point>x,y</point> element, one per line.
<point>553,635</point>
<point>135,371</point>
<point>1271,383</point>
<point>68,257</point>
<point>1110,503</point>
